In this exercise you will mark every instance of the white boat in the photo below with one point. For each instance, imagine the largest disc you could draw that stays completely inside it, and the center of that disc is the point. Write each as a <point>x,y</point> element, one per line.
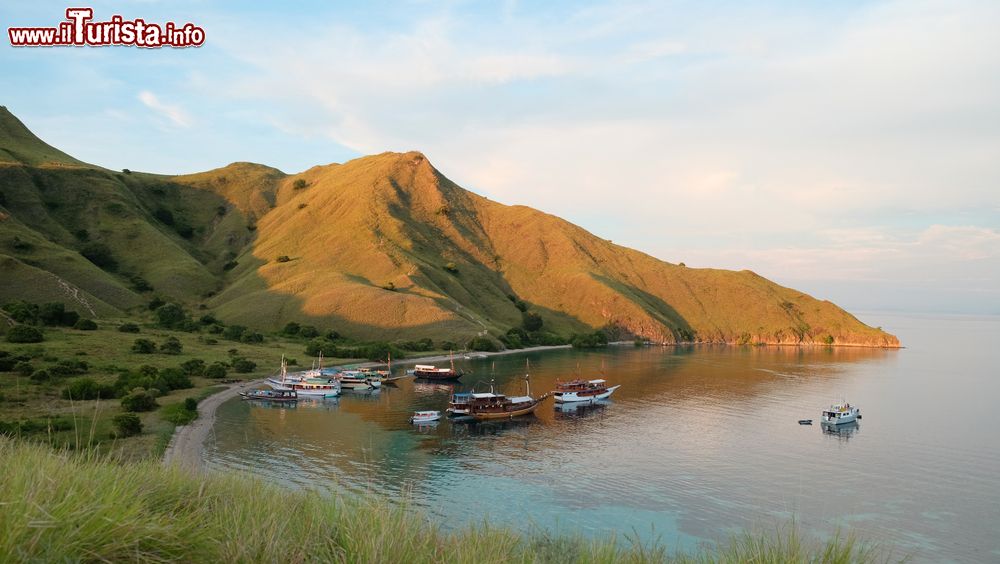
<point>306,385</point>
<point>356,380</point>
<point>425,416</point>
<point>583,390</point>
<point>840,413</point>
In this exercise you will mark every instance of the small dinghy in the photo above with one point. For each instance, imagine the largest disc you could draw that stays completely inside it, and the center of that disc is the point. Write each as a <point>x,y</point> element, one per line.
<point>805,421</point>
<point>425,416</point>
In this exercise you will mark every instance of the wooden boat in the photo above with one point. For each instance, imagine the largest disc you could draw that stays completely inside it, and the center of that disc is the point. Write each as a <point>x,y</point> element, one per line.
<point>583,390</point>
<point>490,405</point>
<point>805,421</point>
<point>430,372</point>
<point>425,416</point>
<point>355,380</point>
<point>275,395</point>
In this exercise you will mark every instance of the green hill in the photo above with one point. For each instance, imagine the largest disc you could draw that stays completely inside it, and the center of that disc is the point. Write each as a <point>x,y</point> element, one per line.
<point>380,247</point>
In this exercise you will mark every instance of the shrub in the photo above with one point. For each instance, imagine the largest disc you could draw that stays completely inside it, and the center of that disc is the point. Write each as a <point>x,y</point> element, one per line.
<point>451,267</point>
<point>69,368</point>
<point>127,424</point>
<point>191,404</point>
<point>234,332</point>
<point>828,339</point>
<point>380,351</point>
<point>331,335</point>
<point>175,379</point>
<point>54,313</point>
<point>252,337</point>
<point>589,340</point>
<point>291,329</point>
<point>171,346</point>
<point>282,258</point>
<point>139,284</point>
<point>483,344</point>
<point>171,316</point>
<point>448,345</point>
<point>178,414</point>
<point>143,346</point>
<point>22,312</point>
<point>155,303</point>
<point>299,184</point>
<point>139,400</point>
<point>99,254</point>
<point>244,366</point>
<point>82,389</point>
<point>531,321</point>
<point>6,363</point>
<point>230,265</point>
<point>216,370</point>
<point>521,306</point>
<point>389,286</point>
<point>24,368</point>
<point>193,367</point>
<point>208,319</point>
<point>40,376</point>
<point>24,334</point>
<point>163,215</point>
<point>128,328</point>
<point>85,325</point>
<point>308,331</point>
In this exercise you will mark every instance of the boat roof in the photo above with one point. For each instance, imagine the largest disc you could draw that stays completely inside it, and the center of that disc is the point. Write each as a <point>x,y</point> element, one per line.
<point>426,412</point>
<point>486,395</point>
<point>598,381</point>
<point>522,399</point>
<point>425,367</point>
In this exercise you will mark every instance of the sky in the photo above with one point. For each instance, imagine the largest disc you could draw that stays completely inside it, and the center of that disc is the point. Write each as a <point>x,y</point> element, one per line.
<point>847,149</point>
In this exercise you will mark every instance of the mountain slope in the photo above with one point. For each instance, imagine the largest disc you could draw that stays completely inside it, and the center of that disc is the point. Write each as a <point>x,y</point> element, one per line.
<point>380,247</point>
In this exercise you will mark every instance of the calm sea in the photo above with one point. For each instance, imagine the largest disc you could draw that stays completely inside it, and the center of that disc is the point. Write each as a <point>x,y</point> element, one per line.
<point>699,442</point>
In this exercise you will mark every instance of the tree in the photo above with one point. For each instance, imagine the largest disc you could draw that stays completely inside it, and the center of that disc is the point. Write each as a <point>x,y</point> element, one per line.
<point>127,424</point>
<point>143,346</point>
<point>24,334</point>
<point>193,367</point>
<point>308,331</point>
<point>483,344</point>
<point>54,313</point>
<point>128,328</point>
<point>291,329</point>
<point>531,321</point>
<point>244,366</point>
<point>299,184</point>
<point>282,258</point>
<point>234,332</point>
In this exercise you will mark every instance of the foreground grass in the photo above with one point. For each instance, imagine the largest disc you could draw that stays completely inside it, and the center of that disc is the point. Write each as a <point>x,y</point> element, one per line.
<point>88,507</point>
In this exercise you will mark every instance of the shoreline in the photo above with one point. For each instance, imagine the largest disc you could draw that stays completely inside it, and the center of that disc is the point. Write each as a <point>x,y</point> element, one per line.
<point>188,441</point>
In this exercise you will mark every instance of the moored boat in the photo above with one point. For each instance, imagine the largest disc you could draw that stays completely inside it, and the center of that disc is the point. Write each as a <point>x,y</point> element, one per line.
<point>355,380</point>
<point>431,372</point>
<point>490,405</point>
<point>312,384</point>
<point>841,413</point>
<point>583,390</point>
<point>425,416</point>
<point>275,395</point>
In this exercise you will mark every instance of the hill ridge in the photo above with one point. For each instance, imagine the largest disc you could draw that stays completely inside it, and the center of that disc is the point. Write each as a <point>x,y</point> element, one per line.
<point>383,246</point>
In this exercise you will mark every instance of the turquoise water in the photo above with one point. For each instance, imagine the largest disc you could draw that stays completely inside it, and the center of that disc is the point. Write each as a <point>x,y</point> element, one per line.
<point>699,442</point>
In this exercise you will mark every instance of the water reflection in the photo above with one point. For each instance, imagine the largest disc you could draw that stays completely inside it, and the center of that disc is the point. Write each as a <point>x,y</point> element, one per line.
<point>843,431</point>
<point>697,442</point>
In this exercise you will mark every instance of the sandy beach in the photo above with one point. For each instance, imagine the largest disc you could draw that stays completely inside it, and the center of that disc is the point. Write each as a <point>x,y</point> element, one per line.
<point>188,442</point>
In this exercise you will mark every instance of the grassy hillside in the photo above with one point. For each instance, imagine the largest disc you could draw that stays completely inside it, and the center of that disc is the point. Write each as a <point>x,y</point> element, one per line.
<point>381,247</point>
<point>61,507</point>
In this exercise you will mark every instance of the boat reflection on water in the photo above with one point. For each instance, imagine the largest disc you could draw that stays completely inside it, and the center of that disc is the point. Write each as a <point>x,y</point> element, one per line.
<point>844,431</point>
<point>470,427</point>
<point>269,404</point>
<point>323,404</point>
<point>581,410</point>
<point>428,387</point>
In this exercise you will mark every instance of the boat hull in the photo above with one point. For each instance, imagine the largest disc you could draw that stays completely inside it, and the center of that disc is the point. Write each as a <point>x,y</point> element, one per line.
<point>318,393</point>
<point>494,415</point>
<point>571,397</point>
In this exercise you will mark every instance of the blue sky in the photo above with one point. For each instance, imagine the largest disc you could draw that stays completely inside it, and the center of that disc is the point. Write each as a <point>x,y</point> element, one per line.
<point>849,149</point>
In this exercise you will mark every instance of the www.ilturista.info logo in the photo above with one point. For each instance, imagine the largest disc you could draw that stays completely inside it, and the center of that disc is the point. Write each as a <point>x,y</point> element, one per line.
<point>79,30</point>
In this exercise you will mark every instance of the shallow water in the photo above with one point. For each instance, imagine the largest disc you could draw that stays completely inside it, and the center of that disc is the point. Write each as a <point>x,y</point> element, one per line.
<point>699,442</point>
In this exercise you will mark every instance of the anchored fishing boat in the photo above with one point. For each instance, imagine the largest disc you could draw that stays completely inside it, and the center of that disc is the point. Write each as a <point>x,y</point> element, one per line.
<point>841,413</point>
<point>356,380</point>
<point>583,390</point>
<point>430,372</point>
<point>305,385</point>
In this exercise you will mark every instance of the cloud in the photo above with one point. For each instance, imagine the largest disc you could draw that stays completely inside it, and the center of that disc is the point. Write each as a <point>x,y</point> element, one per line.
<point>174,114</point>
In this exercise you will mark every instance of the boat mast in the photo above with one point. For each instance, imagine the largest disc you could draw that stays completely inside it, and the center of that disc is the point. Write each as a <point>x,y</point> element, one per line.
<point>527,378</point>
<point>284,369</point>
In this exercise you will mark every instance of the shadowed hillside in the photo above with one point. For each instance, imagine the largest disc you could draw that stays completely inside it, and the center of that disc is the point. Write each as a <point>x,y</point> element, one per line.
<point>380,247</point>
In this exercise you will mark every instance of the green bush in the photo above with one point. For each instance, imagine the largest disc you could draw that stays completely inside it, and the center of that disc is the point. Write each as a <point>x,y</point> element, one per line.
<point>143,346</point>
<point>531,321</point>
<point>175,379</point>
<point>299,184</point>
<point>41,376</point>
<point>244,366</point>
<point>291,329</point>
<point>178,414</point>
<point>448,345</point>
<point>308,331</point>
<point>24,368</point>
<point>69,368</point>
<point>589,340</point>
<point>139,400</point>
<point>82,389</point>
<point>829,340</point>
<point>171,346</point>
<point>252,337</point>
<point>171,316</point>
<point>216,371</point>
<point>193,367</point>
<point>128,328</point>
<point>191,404</point>
<point>127,425</point>
<point>85,325</point>
<point>54,313</point>
<point>24,334</point>
<point>483,344</point>
<point>234,332</point>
